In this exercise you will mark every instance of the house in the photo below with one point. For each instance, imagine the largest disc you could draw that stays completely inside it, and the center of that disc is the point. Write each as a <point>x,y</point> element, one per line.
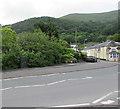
<point>109,50</point>
<point>74,47</point>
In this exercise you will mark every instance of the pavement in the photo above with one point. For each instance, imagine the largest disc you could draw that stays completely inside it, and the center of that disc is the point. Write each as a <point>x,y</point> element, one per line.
<point>71,67</point>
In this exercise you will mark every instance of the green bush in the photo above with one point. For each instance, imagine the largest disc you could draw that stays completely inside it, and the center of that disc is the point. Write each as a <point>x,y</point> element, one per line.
<point>67,57</point>
<point>0,61</point>
<point>36,60</point>
<point>36,50</point>
<point>77,55</point>
<point>83,56</point>
<point>11,60</point>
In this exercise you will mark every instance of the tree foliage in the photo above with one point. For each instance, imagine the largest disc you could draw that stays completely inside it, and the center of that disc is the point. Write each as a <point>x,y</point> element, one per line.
<point>115,37</point>
<point>46,41</point>
<point>8,39</point>
<point>55,27</point>
<point>49,28</point>
<point>36,47</point>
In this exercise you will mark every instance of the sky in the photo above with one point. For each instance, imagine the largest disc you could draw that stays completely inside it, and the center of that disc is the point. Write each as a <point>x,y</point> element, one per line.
<point>12,11</point>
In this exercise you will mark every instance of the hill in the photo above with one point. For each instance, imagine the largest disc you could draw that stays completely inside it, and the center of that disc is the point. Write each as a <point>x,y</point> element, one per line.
<point>94,27</point>
<point>28,24</point>
<point>101,17</point>
<point>69,22</point>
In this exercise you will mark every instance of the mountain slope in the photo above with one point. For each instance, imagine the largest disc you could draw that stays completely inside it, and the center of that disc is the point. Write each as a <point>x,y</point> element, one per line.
<point>101,17</point>
<point>104,23</point>
<point>28,24</point>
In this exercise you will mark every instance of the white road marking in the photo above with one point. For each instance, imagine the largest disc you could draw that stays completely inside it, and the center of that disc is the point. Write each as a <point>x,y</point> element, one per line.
<point>87,77</point>
<point>50,75</point>
<point>63,73</point>
<point>72,79</point>
<point>39,85</point>
<point>98,100</point>
<point>6,88</point>
<point>17,78</point>
<point>117,91</point>
<point>108,102</point>
<point>30,86</point>
<point>34,85</point>
<point>30,77</point>
<point>56,82</point>
<point>6,79</point>
<point>73,105</point>
<point>21,86</point>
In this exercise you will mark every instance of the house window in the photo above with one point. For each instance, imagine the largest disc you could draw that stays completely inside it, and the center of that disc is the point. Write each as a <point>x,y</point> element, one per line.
<point>111,55</point>
<point>117,55</point>
<point>114,55</point>
<point>114,49</point>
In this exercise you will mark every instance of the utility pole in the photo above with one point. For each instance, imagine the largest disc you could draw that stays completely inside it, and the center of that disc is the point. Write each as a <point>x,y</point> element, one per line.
<point>76,38</point>
<point>84,42</point>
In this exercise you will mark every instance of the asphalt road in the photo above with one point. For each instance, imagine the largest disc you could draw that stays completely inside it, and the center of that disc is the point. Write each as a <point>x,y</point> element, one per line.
<point>79,88</point>
<point>23,72</point>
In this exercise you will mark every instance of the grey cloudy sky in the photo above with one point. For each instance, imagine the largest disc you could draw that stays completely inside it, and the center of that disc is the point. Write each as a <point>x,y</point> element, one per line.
<point>12,11</point>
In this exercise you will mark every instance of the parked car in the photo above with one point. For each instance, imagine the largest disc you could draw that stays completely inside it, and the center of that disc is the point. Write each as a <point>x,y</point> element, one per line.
<point>91,59</point>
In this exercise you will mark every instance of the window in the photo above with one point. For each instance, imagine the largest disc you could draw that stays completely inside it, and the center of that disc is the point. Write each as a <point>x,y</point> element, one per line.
<point>114,49</point>
<point>114,55</point>
<point>111,56</point>
<point>117,55</point>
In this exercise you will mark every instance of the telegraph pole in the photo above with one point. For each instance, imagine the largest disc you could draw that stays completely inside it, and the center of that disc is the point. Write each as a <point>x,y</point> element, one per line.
<point>76,38</point>
<point>84,42</point>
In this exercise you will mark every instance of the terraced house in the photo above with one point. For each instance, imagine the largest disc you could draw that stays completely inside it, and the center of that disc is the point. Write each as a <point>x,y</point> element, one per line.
<point>109,50</point>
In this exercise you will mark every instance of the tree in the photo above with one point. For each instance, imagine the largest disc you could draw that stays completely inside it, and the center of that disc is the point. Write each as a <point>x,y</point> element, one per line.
<point>49,28</point>
<point>115,37</point>
<point>8,39</point>
<point>11,50</point>
<point>101,38</point>
<point>35,41</point>
<point>68,38</point>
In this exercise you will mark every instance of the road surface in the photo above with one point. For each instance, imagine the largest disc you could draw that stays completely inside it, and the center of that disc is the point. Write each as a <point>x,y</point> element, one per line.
<point>80,88</point>
<point>56,69</point>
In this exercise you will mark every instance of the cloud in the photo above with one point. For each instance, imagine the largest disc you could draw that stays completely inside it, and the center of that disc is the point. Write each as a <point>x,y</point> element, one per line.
<point>16,10</point>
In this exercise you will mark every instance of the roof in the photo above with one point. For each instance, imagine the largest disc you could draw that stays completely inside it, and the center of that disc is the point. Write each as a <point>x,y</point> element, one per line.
<point>108,43</point>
